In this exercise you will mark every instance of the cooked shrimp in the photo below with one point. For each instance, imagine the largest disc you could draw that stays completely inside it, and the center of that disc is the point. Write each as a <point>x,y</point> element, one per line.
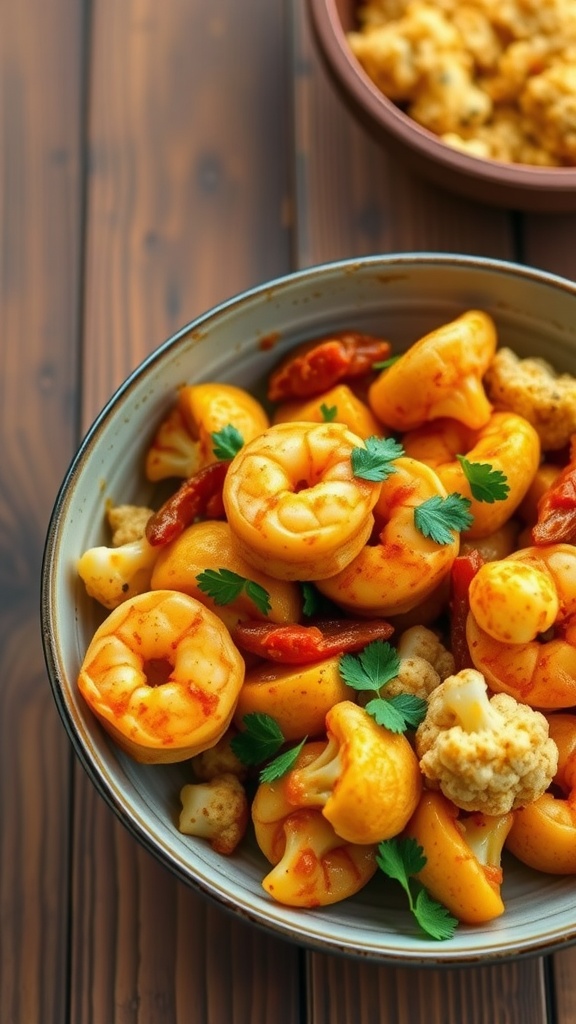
<point>163,676</point>
<point>184,444</point>
<point>440,375</point>
<point>515,605</point>
<point>403,567</point>
<point>507,443</point>
<point>293,504</point>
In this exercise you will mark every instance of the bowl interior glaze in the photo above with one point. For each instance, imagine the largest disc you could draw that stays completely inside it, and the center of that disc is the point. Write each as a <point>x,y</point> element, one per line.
<point>400,297</point>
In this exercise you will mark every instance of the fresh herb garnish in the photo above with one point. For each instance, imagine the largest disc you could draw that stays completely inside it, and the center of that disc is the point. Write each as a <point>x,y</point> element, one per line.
<point>329,412</point>
<point>400,859</point>
<point>375,461</point>
<point>439,518</point>
<point>371,670</point>
<point>486,483</point>
<point>224,586</point>
<point>260,740</point>
<point>227,442</point>
<point>385,364</point>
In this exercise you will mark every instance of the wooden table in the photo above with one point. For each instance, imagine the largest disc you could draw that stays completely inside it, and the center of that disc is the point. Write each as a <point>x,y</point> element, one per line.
<point>156,158</point>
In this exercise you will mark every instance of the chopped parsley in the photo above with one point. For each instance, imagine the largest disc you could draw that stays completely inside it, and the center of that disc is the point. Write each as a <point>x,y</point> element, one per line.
<point>400,859</point>
<point>371,670</point>
<point>375,461</point>
<point>440,518</point>
<point>224,586</point>
<point>329,412</point>
<point>227,442</point>
<point>486,483</point>
<point>261,740</point>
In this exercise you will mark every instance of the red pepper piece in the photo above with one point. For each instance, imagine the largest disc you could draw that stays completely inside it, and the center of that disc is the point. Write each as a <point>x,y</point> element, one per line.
<point>318,365</point>
<point>200,495</point>
<point>295,644</point>
<point>464,569</point>
<point>557,510</point>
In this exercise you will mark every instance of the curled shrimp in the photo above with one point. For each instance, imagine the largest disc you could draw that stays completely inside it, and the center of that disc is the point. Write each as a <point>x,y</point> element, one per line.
<point>507,443</point>
<point>293,504</point>
<point>521,628</point>
<point>183,443</point>
<point>402,568</point>
<point>440,375</point>
<point>163,676</point>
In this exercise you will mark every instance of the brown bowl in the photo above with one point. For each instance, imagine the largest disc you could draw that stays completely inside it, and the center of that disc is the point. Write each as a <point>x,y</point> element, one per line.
<point>516,186</point>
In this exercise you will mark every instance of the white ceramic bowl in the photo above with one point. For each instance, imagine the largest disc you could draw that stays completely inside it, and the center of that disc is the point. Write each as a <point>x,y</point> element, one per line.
<point>401,297</point>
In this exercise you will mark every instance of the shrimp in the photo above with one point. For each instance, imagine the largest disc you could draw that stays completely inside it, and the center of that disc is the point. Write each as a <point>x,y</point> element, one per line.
<point>163,677</point>
<point>403,567</point>
<point>293,504</point>
<point>440,375</point>
<point>507,443</point>
<point>183,443</point>
<point>521,628</point>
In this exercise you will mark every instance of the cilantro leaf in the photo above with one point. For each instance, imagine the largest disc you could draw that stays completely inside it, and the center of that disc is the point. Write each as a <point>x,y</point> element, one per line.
<point>261,739</point>
<point>400,859</point>
<point>375,461</point>
<point>227,442</point>
<point>281,764</point>
<point>486,483</point>
<point>398,713</point>
<point>433,918</point>
<point>371,670</point>
<point>316,604</point>
<point>439,518</point>
<point>375,666</point>
<point>385,364</point>
<point>224,586</point>
<point>329,412</point>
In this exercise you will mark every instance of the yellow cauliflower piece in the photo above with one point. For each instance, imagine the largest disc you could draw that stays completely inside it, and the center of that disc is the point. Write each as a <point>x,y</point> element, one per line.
<point>485,754</point>
<point>424,663</point>
<point>216,810</point>
<point>549,101</point>
<point>532,389</point>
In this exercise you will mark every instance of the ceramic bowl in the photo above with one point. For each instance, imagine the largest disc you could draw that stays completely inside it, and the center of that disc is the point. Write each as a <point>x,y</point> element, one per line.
<point>401,297</point>
<point>516,186</point>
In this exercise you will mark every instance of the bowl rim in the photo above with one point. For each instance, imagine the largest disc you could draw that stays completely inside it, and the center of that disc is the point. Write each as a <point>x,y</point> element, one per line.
<point>329,30</point>
<point>111,795</point>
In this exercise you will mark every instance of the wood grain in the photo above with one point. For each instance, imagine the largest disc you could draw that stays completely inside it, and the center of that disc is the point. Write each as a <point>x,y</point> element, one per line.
<point>40,235</point>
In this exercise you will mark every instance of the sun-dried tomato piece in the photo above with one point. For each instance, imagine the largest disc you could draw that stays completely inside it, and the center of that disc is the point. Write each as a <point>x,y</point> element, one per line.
<point>200,495</point>
<point>318,365</point>
<point>295,644</point>
<point>464,569</point>
<point>557,510</point>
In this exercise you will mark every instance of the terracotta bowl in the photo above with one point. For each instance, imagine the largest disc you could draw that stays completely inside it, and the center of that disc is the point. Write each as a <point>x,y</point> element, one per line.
<point>239,341</point>
<point>516,186</point>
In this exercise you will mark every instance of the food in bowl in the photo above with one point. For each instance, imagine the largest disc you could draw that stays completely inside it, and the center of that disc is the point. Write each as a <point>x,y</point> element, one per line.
<point>495,80</point>
<point>240,343</point>
<point>408,589</point>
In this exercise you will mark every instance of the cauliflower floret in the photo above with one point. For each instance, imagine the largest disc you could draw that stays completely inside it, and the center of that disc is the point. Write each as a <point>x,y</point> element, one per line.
<point>216,810</point>
<point>549,101</point>
<point>219,760</point>
<point>531,388</point>
<point>492,755</point>
<point>424,663</point>
<point>127,522</point>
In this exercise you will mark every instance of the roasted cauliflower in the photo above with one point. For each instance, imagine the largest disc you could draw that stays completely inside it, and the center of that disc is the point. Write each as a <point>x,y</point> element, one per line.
<point>532,389</point>
<point>485,754</point>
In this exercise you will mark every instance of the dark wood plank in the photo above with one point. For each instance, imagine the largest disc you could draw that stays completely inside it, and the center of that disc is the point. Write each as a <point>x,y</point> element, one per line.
<point>374,206</point>
<point>40,225</point>
<point>187,204</point>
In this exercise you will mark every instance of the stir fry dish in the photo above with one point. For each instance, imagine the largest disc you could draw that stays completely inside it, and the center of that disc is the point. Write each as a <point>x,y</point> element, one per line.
<point>354,618</point>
